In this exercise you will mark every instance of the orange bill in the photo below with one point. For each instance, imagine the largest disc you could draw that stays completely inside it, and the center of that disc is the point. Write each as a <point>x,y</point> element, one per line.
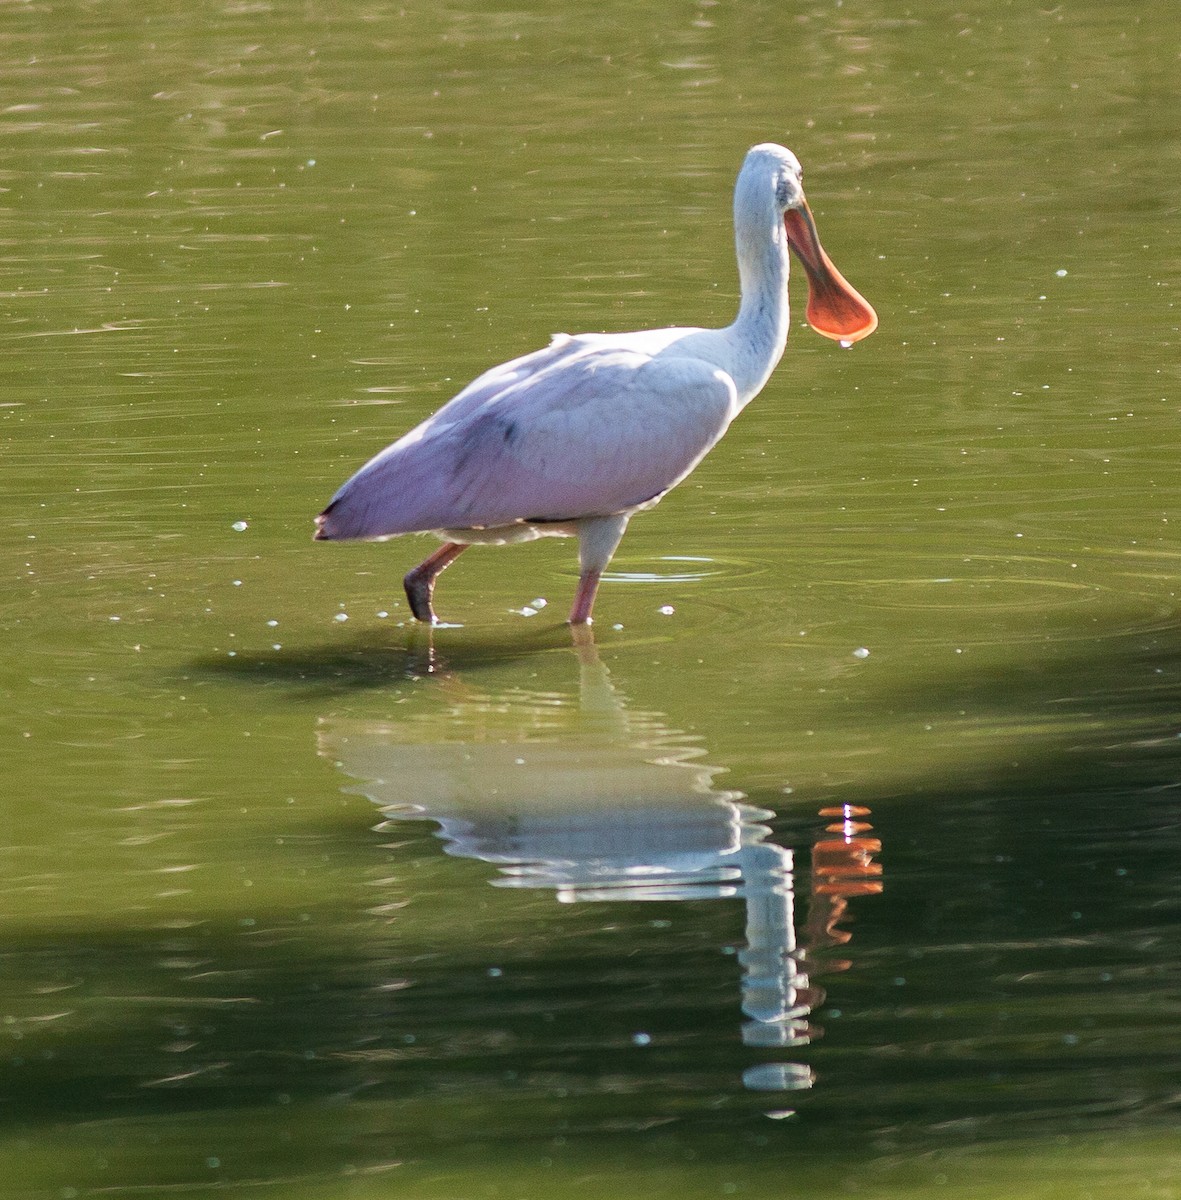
<point>835,308</point>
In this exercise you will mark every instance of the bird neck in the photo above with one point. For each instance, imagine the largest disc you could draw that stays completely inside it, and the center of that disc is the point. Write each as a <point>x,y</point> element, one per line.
<point>759,332</point>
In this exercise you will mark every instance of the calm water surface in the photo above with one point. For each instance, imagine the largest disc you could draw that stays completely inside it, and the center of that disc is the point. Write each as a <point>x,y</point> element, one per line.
<point>845,860</point>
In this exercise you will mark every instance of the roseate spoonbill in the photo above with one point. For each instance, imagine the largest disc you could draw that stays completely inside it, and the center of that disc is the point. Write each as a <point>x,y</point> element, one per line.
<point>573,440</point>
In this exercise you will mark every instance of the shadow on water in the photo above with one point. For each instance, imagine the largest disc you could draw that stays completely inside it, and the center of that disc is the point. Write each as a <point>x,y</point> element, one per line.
<point>1091,711</point>
<point>1014,980</point>
<point>375,660</point>
<point>1023,964</point>
<point>377,1004</point>
<point>1100,679</point>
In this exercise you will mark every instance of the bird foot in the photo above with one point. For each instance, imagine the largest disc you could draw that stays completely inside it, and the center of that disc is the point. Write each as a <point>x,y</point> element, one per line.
<point>420,582</point>
<point>419,589</point>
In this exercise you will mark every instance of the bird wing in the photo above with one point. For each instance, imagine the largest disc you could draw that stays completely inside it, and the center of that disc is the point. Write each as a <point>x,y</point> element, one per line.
<point>587,427</point>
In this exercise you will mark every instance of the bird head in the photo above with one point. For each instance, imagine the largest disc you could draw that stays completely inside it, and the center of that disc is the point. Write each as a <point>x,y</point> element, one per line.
<point>835,308</point>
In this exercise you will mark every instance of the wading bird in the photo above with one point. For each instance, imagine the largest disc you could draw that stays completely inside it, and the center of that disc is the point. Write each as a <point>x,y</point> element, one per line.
<point>573,440</point>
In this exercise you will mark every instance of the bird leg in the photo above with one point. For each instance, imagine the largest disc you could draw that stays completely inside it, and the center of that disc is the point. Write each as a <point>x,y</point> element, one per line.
<point>420,582</point>
<point>584,598</point>
<point>597,539</point>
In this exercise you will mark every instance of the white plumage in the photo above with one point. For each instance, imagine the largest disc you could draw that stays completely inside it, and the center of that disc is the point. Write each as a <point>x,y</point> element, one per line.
<point>576,438</point>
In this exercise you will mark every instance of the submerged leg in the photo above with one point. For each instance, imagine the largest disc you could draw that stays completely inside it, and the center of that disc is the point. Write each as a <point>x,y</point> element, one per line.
<point>420,583</point>
<point>597,540</point>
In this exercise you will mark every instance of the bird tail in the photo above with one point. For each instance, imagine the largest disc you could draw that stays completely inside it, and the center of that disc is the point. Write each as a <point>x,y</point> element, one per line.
<point>391,494</point>
<point>328,530</point>
<point>354,515</point>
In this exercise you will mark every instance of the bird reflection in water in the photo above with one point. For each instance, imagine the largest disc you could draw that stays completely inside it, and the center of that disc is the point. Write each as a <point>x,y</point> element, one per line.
<point>599,803</point>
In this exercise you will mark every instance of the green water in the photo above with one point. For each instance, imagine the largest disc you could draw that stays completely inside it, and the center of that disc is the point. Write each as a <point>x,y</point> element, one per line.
<point>299,900</point>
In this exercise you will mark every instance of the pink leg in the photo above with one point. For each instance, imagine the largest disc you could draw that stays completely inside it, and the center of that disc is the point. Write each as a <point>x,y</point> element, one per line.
<point>584,598</point>
<point>597,539</point>
<point>420,583</point>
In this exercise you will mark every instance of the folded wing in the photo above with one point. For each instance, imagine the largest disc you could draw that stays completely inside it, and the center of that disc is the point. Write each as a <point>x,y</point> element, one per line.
<point>586,427</point>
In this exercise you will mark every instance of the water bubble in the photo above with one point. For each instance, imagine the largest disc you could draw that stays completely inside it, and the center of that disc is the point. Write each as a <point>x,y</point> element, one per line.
<point>239,526</point>
<point>845,344</point>
<point>272,623</point>
<point>641,1039</point>
<point>1061,272</point>
<point>341,617</point>
<point>667,610</point>
<point>861,652</point>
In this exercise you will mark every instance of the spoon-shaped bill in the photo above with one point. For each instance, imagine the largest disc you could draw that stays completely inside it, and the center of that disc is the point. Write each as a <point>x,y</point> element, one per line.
<point>835,308</point>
